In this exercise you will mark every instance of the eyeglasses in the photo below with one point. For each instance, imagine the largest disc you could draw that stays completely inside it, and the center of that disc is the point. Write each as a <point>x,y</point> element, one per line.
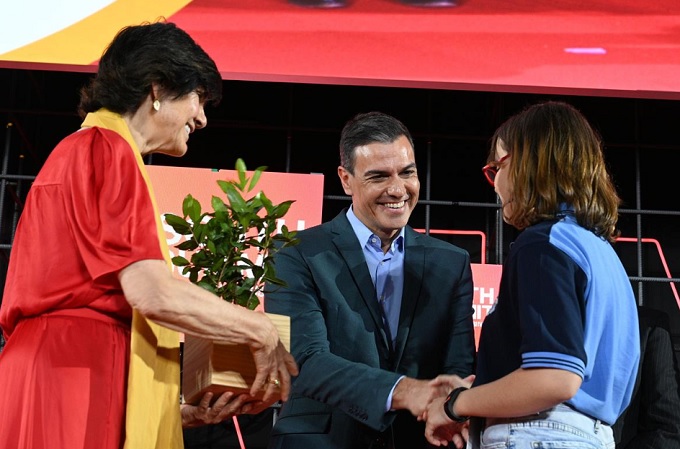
<point>490,170</point>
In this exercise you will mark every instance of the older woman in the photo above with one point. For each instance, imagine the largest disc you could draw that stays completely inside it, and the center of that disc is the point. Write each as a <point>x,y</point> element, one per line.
<point>89,282</point>
<point>558,353</point>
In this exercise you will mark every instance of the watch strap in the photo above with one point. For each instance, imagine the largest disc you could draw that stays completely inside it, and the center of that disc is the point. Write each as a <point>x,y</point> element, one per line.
<point>448,405</point>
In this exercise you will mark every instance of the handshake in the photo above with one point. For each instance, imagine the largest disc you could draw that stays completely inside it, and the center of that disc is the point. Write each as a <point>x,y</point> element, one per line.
<point>425,399</point>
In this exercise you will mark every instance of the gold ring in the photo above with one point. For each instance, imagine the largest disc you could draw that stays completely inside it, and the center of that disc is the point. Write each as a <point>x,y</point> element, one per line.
<point>274,382</point>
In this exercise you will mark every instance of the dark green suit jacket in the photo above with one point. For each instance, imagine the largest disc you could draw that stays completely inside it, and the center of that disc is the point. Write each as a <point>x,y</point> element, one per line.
<point>346,367</point>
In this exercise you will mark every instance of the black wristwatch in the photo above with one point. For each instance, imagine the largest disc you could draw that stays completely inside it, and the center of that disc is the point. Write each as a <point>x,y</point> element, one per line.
<point>448,405</point>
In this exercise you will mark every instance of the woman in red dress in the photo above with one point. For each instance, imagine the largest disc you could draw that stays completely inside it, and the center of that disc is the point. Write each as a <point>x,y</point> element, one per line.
<point>91,312</point>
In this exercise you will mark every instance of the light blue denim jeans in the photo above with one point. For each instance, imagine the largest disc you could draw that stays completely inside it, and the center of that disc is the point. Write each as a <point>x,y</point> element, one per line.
<point>557,428</point>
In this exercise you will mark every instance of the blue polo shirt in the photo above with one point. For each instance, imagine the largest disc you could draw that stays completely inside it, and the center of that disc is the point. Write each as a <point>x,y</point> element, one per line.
<point>565,302</point>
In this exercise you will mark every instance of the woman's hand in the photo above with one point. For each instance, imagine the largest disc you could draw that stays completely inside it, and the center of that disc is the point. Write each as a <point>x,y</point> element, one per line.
<point>226,406</point>
<point>274,364</point>
<point>440,430</point>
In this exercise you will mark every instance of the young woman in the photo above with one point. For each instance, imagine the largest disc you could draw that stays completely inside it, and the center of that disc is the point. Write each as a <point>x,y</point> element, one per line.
<point>558,353</point>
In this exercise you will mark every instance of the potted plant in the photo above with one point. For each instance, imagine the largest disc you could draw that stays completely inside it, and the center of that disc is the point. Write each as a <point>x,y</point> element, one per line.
<point>232,248</point>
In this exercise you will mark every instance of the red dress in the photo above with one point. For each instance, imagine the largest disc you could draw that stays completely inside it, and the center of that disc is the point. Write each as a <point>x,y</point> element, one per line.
<point>63,372</point>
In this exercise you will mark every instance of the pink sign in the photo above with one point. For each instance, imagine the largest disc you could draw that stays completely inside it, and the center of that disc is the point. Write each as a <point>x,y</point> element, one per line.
<point>486,278</point>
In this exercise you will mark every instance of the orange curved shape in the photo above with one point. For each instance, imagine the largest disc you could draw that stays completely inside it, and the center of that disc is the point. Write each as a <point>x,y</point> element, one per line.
<point>661,256</point>
<point>459,232</point>
<point>83,42</point>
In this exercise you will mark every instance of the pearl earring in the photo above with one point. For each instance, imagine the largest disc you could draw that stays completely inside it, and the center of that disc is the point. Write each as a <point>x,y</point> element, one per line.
<point>157,105</point>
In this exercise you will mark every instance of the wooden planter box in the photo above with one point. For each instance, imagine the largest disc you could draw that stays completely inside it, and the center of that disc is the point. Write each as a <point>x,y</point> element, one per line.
<point>210,366</point>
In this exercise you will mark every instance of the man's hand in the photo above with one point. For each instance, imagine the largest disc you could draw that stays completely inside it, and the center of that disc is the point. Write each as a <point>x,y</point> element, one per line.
<point>415,395</point>
<point>448,382</point>
<point>445,383</point>
<point>425,400</point>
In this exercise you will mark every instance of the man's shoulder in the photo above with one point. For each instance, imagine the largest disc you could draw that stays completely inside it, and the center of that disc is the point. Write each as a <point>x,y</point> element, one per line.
<point>337,226</point>
<point>315,231</point>
<point>316,237</point>
<point>431,242</point>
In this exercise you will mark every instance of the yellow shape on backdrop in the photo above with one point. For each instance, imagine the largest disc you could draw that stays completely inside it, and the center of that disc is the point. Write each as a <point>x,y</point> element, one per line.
<point>83,42</point>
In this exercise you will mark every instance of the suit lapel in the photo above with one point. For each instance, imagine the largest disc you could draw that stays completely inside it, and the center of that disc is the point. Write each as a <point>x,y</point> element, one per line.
<point>414,267</point>
<point>351,251</point>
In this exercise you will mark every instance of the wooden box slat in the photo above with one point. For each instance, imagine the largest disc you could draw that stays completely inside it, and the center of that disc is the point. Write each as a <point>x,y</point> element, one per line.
<point>211,366</point>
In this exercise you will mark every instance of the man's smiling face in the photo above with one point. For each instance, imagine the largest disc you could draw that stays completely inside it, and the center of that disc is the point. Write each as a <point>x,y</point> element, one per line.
<point>384,186</point>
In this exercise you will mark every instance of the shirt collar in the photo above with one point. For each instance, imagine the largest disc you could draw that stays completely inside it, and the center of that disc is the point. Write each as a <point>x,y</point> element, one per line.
<point>565,210</point>
<point>364,234</point>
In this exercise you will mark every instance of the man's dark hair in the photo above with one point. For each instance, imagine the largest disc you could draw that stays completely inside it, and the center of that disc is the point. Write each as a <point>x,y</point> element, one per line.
<point>367,128</point>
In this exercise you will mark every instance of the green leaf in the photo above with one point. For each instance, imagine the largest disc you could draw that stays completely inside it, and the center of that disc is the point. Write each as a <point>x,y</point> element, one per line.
<point>179,224</point>
<point>193,276</point>
<point>188,245</point>
<point>258,272</point>
<point>241,170</point>
<point>223,185</point>
<point>179,261</point>
<point>244,289</point>
<point>282,209</point>
<point>191,208</point>
<point>199,232</point>
<point>255,202</point>
<point>236,201</point>
<point>206,285</point>
<point>254,180</point>
<point>198,258</point>
<point>217,264</point>
<point>267,203</point>
<point>219,245</point>
<point>253,302</point>
<point>218,204</point>
<point>240,165</point>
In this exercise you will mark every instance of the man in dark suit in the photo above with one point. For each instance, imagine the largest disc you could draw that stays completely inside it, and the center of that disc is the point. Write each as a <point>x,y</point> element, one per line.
<point>652,420</point>
<point>377,310</point>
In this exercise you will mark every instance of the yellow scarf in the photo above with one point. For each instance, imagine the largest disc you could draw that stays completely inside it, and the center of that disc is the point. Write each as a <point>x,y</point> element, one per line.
<point>152,416</point>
